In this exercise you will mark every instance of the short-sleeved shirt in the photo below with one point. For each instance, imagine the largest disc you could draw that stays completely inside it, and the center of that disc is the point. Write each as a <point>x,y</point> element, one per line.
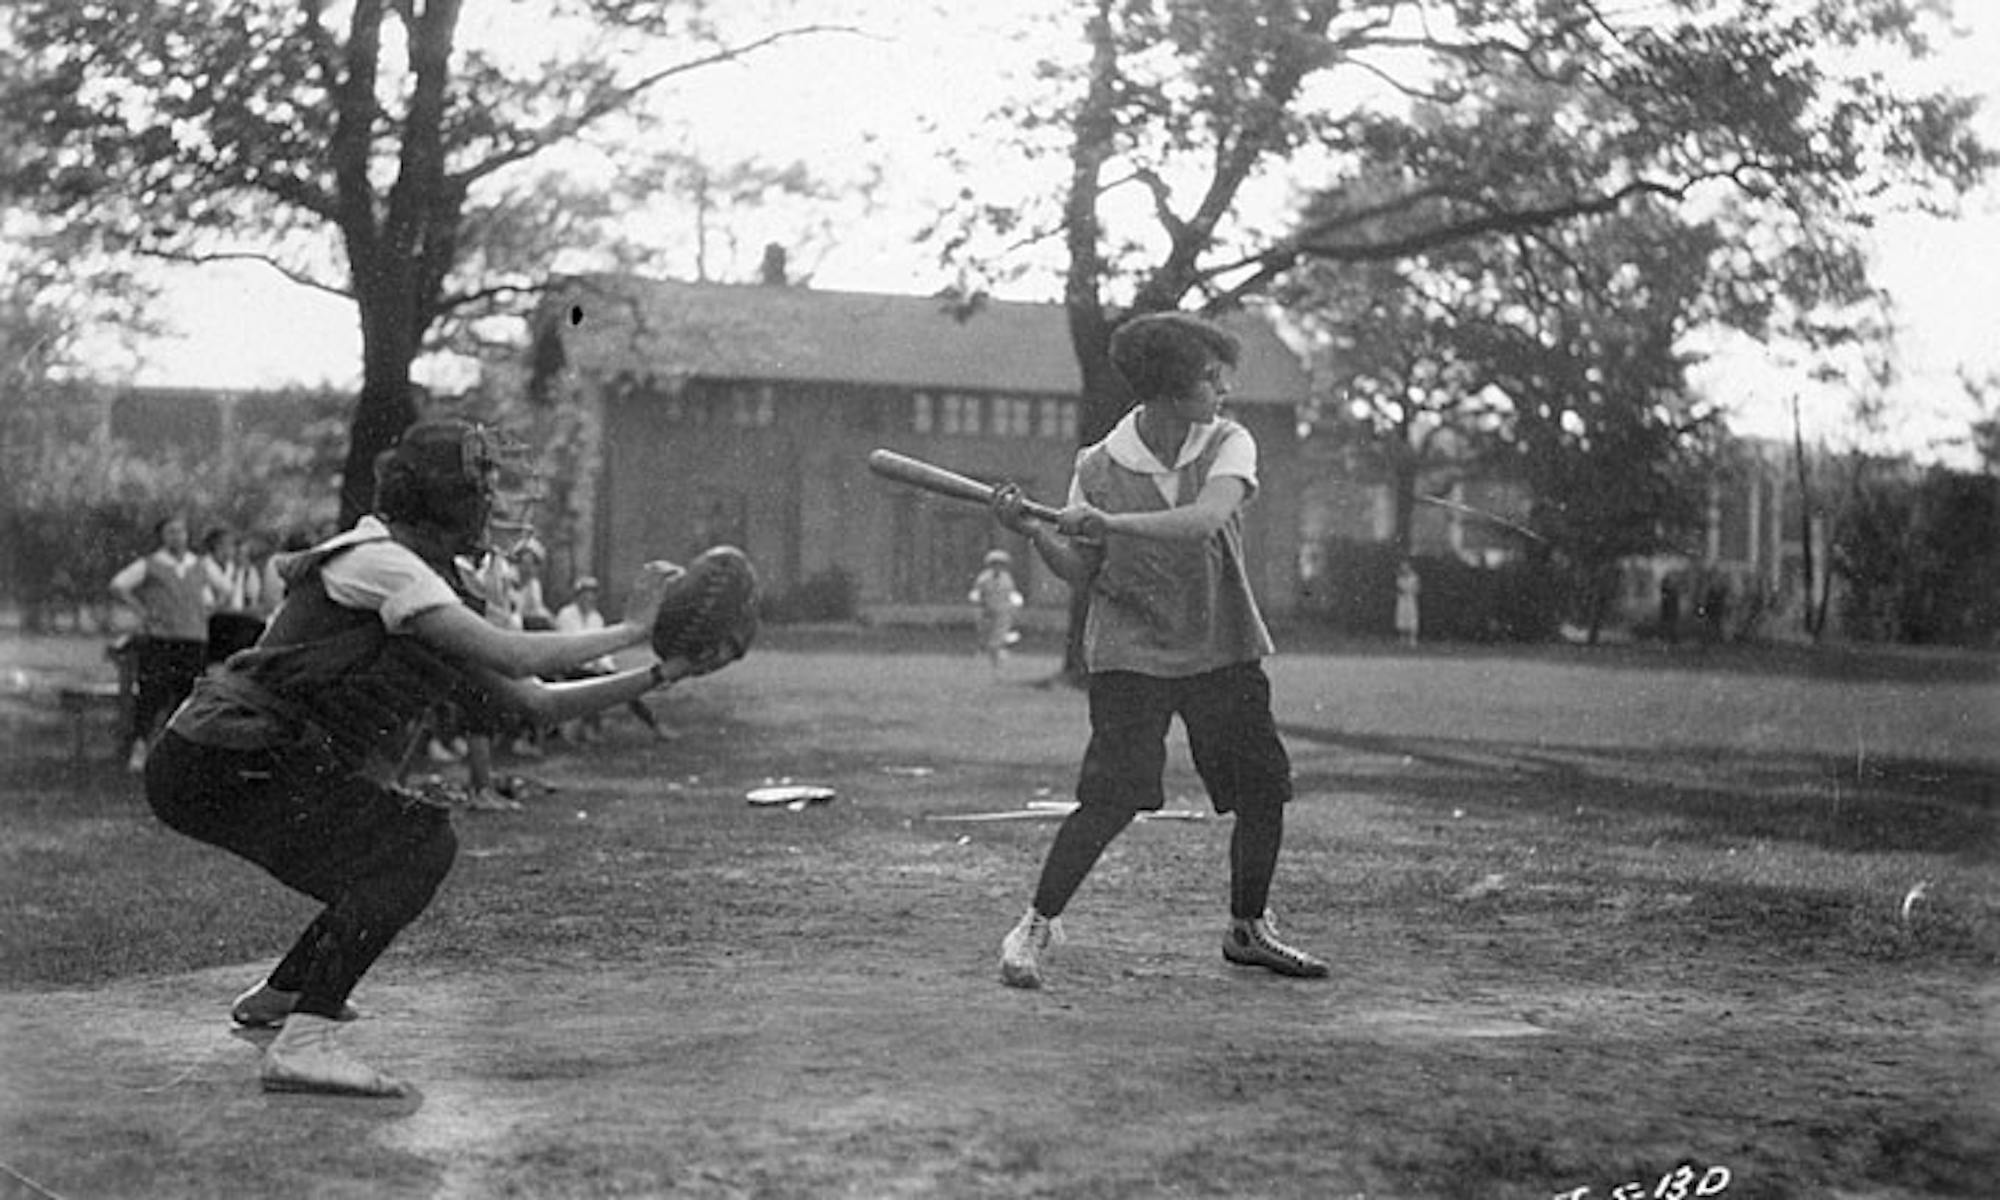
<point>338,666</point>
<point>1169,608</point>
<point>383,576</point>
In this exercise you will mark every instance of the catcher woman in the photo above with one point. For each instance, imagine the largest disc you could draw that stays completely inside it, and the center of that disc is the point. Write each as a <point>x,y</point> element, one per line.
<point>286,755</point>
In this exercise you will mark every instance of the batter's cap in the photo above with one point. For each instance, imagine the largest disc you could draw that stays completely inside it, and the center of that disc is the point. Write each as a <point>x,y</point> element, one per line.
<point>998,558</point>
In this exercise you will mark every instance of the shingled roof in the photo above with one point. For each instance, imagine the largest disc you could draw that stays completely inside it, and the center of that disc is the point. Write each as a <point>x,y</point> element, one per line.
<point>615,325</point>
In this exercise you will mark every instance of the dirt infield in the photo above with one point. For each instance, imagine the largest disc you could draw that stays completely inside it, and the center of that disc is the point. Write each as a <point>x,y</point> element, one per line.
<point>1595,926</point>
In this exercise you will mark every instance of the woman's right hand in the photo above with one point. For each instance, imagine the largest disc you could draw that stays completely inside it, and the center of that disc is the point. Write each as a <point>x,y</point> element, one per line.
<point>1007,505</point>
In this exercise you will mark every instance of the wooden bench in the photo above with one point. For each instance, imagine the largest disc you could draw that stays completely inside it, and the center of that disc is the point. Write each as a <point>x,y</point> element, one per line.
<point>82,700</point>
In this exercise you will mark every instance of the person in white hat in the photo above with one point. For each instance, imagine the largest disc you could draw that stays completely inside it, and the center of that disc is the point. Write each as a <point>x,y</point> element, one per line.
<point>996,601</point>
<point>581,615</point>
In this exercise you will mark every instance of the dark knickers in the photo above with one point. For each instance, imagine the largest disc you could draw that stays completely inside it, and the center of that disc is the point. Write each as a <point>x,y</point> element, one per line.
<point>373,855</point>
<point>1232,738</point>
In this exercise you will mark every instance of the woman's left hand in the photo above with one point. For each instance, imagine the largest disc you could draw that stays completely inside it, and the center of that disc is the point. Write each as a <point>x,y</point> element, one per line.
<point>642,605</point>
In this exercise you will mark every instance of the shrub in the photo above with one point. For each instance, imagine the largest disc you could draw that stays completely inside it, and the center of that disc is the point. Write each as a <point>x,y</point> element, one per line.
<point>830,595</point>
<point>1355,592</point>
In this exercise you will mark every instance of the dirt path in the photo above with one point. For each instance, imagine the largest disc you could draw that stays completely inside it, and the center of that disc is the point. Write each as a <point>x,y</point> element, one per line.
<point>1563,967</point>
<point>756,1058</point>
<point>1152,1068</point>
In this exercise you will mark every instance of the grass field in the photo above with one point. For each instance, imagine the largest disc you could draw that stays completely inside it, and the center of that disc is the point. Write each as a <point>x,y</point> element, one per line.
<point>1717,922</point>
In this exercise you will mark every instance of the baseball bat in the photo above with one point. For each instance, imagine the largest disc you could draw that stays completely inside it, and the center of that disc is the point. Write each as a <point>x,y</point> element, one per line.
<point>943,482</point>
<point>1481,514</point>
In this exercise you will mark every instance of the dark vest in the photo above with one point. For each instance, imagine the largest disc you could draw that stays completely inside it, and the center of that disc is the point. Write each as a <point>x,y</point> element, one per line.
<point>328,679</point>
<point>175,603</point>
<point>1169,609</point>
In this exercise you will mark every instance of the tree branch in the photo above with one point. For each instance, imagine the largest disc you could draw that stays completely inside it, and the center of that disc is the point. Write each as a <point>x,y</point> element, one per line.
<point>1287,254</point>
<point>615,99</point>
<point>347,149</point>
<point>291,273</point>
<point>1163,210</point>
<point>453,302</point>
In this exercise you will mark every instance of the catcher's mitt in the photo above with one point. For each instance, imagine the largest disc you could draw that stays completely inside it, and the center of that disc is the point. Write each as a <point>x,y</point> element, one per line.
<point>709,614</point>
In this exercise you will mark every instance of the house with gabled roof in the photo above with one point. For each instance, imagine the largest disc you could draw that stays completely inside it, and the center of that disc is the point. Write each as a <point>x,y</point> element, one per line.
<point>744,413</point>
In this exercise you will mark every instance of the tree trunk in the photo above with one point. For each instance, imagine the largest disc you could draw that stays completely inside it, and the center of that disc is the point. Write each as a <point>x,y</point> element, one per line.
<point>1405,474</point>
<point>381,413</point>
<point>385,407</point>
<point>1103,398</point>
<point>1812,613</point>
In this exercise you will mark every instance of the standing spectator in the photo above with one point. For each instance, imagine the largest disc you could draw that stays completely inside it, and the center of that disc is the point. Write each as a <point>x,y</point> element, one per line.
<point>1715,609</point>
<point>168,589</point>
<point>231,585</point>
<point>258,553</point>
<point>491,581</point>
<point>1409,586</point>
<point>581,615</point>
<point>530,612</point>
<point>528,601</point>
<point>233,623</point>
<point>1670,609</point>
<point>997,600</point>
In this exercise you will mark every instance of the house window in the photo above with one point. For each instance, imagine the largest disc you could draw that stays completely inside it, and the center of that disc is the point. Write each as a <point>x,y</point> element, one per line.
<point>922,414</point>
<point>751,406</point>
<point>1057,419</point>
<point>1014,416</point>
<point>960,414</point>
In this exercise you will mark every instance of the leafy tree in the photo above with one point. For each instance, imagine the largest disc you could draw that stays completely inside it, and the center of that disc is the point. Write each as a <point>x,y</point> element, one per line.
<point>1470,119</point>
<point>1394,392</point>
<point>365,148</point>
<point>1919,553</point>
<point>1984,434</point>
<point>1598,422</point>
<point>59,513</point>
<point>1191,109</point>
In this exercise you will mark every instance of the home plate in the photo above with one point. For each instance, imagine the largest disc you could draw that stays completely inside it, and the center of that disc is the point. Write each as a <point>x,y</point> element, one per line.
<point>795,796</point>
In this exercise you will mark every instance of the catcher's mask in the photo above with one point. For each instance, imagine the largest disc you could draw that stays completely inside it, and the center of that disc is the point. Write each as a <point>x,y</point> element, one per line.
<point>469,481</point>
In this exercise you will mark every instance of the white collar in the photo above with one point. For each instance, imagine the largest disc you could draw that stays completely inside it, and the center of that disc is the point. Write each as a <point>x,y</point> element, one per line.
<point>370,528</point>
<point>1130,451</point>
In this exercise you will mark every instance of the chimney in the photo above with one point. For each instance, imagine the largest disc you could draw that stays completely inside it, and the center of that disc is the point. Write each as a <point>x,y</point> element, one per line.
<point>772,273</point>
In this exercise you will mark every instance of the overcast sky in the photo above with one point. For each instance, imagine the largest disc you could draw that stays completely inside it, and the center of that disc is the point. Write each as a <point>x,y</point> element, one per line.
<point>242,327</point>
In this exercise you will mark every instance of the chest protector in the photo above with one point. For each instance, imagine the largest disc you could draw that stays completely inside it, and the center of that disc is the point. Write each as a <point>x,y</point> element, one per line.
<point>1168,609</point>
<point>327,679</point>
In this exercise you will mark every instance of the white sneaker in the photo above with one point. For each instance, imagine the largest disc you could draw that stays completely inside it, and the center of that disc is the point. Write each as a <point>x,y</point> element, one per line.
<point>265,1007</point>
<point>1021,950</point>
<point>306,1057</point>
<point>1255,943</point>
